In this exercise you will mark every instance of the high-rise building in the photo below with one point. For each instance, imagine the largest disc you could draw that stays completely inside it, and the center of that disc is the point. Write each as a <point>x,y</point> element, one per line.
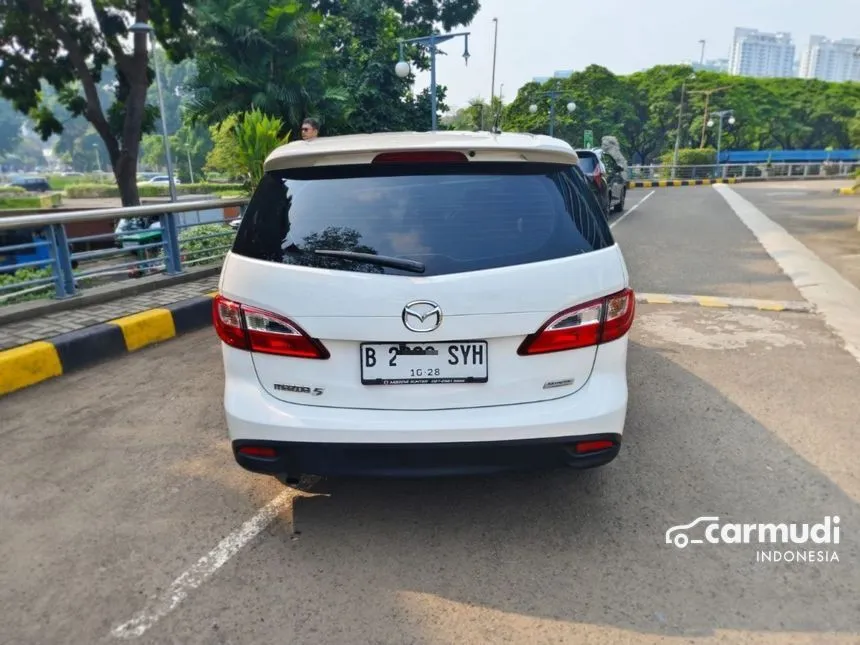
<point>831,60</point>
<point>755,53</point>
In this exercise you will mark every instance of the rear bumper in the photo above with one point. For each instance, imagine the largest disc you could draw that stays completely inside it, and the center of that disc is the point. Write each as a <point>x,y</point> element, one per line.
<point>293,459</point>
<point>319,440</point>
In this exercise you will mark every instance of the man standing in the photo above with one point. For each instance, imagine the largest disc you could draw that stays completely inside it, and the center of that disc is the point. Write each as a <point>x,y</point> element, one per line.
<point>310,129</point>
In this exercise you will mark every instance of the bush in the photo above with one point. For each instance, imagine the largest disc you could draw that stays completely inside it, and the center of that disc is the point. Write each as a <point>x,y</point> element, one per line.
<point>24,275</point>
<point>35,201</point>
<point>691,157</point>
<point>95,191</point>
<point>11,191</point>
<point>196,252</point>
<point>61,182</point>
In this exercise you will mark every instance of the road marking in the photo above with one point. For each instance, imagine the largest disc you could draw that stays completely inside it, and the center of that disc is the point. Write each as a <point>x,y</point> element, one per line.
<point>631,209</point>
<point>831,294</point>
<point>204,568</point>
<point>726,303</point>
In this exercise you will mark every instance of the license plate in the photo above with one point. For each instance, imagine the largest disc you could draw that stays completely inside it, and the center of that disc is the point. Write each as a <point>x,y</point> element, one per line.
<point>424,363</point>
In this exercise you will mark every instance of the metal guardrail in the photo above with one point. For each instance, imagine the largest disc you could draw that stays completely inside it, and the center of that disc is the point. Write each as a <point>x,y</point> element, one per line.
<point>746,171</point>
<point>151,234</point>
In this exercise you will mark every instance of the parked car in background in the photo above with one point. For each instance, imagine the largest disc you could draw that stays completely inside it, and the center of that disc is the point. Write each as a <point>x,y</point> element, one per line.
<point>605,178</point>
<point>31,184</point>
<point>164,179</point>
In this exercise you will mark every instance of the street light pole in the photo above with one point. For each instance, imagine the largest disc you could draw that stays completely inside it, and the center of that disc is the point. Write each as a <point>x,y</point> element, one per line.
<point>168,220</point>
<point>402,68</point>
<point>553,94</point>
<point>495,44</point>
<point>142,27</point>
<point>720,116</point>
<point>98,157</point>
<point>680,118</point>
<point>190,170</point>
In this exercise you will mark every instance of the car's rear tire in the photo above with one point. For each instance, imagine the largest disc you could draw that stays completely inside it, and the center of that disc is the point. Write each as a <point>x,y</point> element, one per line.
<point>620,205</point>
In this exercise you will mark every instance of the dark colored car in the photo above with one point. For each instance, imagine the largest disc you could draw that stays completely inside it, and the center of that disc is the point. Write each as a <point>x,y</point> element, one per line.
<point>605,178</point>
<point>32,184</point>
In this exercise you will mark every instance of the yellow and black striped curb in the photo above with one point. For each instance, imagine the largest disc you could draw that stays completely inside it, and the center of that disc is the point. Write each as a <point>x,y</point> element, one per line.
<point>847,191</point>
<point>29,364</point>
<point>724,303</point>
<point>664,183</point>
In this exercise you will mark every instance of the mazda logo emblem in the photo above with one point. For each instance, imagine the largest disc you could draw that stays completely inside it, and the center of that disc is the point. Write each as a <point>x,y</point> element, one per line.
<point>422,316</point>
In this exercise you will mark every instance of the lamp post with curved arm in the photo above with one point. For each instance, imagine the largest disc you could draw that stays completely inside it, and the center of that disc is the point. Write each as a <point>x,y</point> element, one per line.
<point>553,95</point>
<point>403,68</point>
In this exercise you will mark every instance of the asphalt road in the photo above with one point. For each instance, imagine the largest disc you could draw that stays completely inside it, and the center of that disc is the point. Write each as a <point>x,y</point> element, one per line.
<point>117,489</point>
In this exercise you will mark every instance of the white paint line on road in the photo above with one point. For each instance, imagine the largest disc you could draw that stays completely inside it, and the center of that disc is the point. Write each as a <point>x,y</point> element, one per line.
<point>832,295</point>
<point>203,568</point>
<point>632,208</point>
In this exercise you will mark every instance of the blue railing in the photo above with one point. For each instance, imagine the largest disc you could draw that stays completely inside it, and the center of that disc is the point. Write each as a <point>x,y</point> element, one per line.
<point>160,238</point>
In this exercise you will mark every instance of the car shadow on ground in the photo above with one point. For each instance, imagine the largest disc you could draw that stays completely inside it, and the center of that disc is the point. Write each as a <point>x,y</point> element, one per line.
<point>590,547</point>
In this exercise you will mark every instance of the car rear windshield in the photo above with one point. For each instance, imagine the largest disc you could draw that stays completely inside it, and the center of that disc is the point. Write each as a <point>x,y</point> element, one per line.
<point>450,218</point>
<point>588,162</point>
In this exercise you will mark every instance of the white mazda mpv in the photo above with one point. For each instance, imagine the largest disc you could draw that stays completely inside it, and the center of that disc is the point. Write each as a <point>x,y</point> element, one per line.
<point>419,304</point>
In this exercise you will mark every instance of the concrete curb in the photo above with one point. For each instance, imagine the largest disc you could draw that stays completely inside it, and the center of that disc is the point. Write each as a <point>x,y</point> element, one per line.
<point>724,303</point>
<point>666,183</point>
<point>27,365</point>
<point>847,191</point>
<point>670,183</point>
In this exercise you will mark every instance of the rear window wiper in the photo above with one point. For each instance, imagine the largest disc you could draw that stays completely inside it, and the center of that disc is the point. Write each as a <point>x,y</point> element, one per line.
<point>379,260</point>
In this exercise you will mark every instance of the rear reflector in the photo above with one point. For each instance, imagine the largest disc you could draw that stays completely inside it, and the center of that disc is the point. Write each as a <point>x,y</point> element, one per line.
<point>258,451</point>
<point>588,324</point>
<point>584,447</point>
<point>256,330</point>
<point>432,156</point>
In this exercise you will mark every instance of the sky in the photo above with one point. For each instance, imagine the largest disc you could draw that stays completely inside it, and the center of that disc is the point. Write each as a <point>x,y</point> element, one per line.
<point>538,37</point>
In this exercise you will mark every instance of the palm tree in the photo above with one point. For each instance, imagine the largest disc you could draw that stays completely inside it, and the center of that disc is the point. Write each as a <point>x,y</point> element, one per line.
<point>262,53</point>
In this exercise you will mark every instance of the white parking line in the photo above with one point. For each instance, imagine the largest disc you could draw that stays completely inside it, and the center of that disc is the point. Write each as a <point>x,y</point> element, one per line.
<point>833,296</point>
<point>204,568</point>
<point>632,208</point>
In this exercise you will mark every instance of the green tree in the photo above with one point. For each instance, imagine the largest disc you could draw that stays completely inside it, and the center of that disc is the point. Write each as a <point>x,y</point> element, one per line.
<point>420,18</point>
<point>361,36</point>
<point>265,53</point>
<point>71,53</point>
<point>223,158</point>
<point>641,110</point>
<point>191,145</point>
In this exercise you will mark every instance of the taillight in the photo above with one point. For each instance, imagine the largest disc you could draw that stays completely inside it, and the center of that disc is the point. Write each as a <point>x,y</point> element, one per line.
<point>591,323</point>
<point>256,330</point>
<point>421,156</point>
